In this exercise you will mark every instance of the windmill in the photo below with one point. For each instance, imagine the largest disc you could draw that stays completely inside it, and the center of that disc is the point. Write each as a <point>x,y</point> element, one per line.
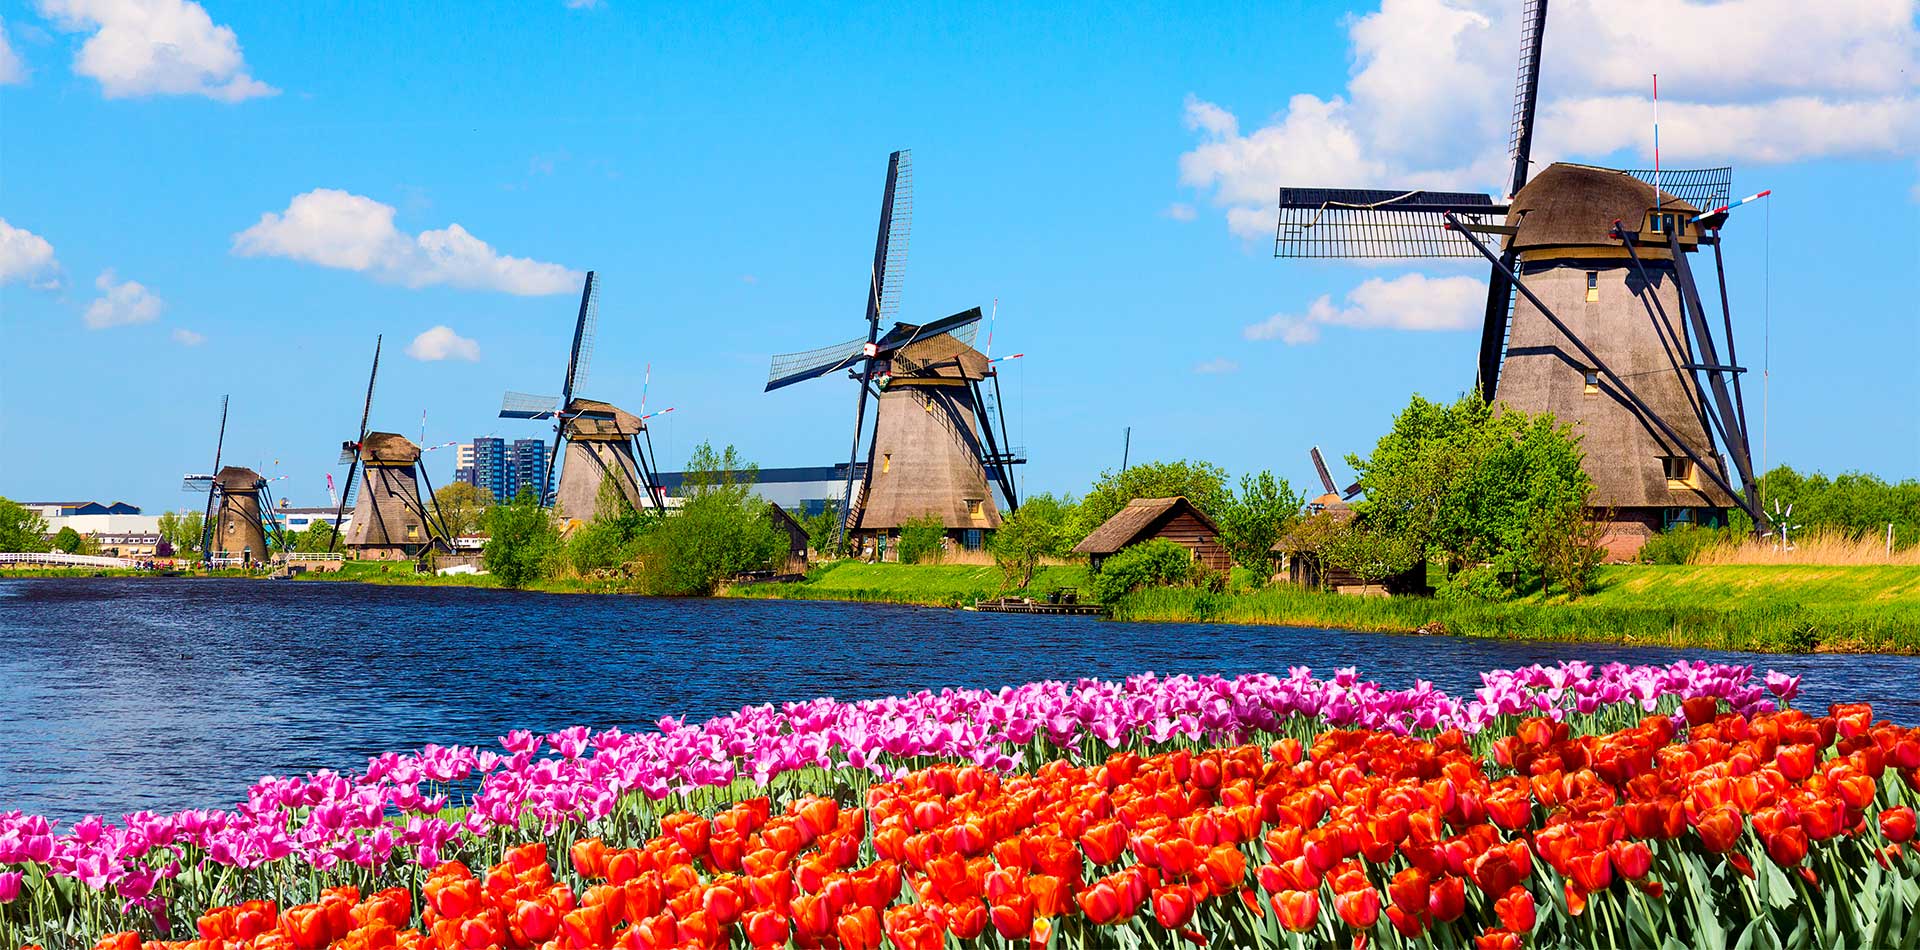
<point>1334,499</point>
<point>392,520</point>
<point>1592,310</point>
<point>603,442</point>
<point>234,531</point>
<point>934,447</point>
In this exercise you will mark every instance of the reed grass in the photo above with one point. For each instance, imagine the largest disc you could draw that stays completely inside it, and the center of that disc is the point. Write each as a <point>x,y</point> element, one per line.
<point>1820,546</point>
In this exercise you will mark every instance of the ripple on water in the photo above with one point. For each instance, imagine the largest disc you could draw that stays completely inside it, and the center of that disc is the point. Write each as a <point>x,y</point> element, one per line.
<point>122,694</point>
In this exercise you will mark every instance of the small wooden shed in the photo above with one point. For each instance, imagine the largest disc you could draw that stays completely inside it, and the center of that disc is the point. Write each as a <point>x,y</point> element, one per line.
<point>796,535</point>
<point>1302,564</point>
<point>1176,519</point>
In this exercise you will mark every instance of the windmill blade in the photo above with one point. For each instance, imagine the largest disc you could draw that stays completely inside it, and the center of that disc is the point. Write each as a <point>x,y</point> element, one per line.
<point>1377,223</point>
<point>353,462</point>
<point>206,521</point>
<point>896,226</point>
<point>1533,28</point>
<point>1700,187</point>
<point>1320,465</point>
<point>1351,490</point>
<point>583,329</point>
<point>528,406</point>
<point>348,450</point>
<point>198,484</point>
<point>790,368</point>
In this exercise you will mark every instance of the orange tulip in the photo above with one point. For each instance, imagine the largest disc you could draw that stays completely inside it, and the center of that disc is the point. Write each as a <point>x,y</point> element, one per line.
<point>1296,910</point>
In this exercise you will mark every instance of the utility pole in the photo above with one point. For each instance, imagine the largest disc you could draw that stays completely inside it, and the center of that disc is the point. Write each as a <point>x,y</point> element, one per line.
<point>1126,446</point>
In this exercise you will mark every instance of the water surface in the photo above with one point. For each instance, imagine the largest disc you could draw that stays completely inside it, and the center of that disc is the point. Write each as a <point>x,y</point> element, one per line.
<point>121,694</point>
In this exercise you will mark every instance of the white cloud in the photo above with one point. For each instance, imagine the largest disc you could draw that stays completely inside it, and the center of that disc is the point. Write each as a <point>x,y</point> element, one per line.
<point>26,256</point>
<point>1181,211</point>
<point>1429,101</point>
<point>121,304</point>
<point>1407,302</point>
<point>441,343</point>
<point>1216,366</point>
<point>11,69</point>
<point>186,337</point>
<point>583,4</point>
<point>334,228</point>
<point>156,47</point>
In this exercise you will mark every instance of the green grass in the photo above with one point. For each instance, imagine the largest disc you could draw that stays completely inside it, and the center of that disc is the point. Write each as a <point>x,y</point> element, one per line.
<point>1768,608</point>
<point>937,585</point>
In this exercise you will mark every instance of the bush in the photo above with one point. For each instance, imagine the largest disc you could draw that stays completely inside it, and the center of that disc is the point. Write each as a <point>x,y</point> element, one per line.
<point>67,540</point>
<point>720,530</point>
<point>1040,528</point>
<point>922,540</point>
<point>1678,545</point>
<point>1479,584</point>
<point>1155,563</point>
<point>522,542</point>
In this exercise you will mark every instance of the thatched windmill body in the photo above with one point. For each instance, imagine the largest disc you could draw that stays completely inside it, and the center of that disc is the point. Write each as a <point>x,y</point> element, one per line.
<point>234,531</point>
<point>1592,312</point>
<point>603,442</point>
<point>393,520</point>
<point>935,450</point>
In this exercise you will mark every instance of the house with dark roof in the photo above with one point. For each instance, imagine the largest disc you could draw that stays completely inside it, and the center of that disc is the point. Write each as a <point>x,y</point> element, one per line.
<point>1174,519</point>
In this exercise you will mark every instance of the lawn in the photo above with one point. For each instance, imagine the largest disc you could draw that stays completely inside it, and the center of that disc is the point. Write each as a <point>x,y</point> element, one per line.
<point>943,585</point>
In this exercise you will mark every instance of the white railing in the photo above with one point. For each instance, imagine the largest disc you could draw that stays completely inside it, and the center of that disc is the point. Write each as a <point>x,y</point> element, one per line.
<point>315,556</point>
<point>59,559</point>
<point>219,562</point>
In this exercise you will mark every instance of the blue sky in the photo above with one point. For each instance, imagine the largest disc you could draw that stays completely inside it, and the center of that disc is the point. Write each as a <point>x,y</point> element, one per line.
<point>1105,172</point>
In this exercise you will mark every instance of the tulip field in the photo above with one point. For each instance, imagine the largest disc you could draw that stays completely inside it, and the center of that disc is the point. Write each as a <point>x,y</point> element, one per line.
<point>1647,807</point>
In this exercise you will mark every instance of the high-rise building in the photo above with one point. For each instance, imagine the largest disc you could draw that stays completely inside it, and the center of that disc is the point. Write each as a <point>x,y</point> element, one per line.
<point>492,469</point>
<point>463,463</point>
<point>529,463</point>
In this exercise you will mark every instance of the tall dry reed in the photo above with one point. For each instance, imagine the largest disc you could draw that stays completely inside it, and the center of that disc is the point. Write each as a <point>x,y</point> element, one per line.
<point>1825,546</point>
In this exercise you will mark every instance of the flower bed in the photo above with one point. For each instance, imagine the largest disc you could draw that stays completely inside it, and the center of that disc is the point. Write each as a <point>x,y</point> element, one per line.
<point>1105,813</point>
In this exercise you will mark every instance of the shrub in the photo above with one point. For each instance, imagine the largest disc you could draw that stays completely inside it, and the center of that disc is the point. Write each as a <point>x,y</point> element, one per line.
<point>1155,563</point>
<point>67,540</point>
<point>1040,528</point>
<point>522,541</point>
<point>922,540</point>
<point>1680,544</point>
<point>1477,584</point>
<point>720,530</point>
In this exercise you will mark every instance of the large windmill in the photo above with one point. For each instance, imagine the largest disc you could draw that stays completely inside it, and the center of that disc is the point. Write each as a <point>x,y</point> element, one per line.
<point>934,449</point>
<point>1592,311</point>
<point>603,442</point>
<point>392,519</point>
<point>234,532</point>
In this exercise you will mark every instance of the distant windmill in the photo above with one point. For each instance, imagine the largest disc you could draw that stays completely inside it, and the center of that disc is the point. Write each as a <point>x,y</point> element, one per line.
<point>1592,311</point>
<point>934,446</point>
<point>1334,498</point>
<point>1783,542</point>
<point>603,442</point>
<point>233,530</point>
<point>392,519</point>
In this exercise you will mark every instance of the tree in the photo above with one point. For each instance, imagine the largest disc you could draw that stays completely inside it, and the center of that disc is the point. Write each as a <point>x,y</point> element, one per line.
<point>21,528</point>
<point>182,531</point>
<point>1371,553</point>
<point>522,539</point>
<point>721,529</point>
<point>1203,483</point>
<point>1566,543</point>
<point>67,540</point>
<point>820,527</point>
<point>318,537</point>
<point>922,540</point>
<point>462,507</point>
<point>612,537</point>
<point>1040,528</point>
<point>1466,482</point>
<point>1255,519</point>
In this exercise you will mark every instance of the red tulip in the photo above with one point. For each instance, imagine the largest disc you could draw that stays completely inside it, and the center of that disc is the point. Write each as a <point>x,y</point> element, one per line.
<point>1516,910</point>
<point>1360,909</point>
<point>1296,910</point>
<point>1448,899</point>
<point>1173,906</point>
<point>1898,824</point>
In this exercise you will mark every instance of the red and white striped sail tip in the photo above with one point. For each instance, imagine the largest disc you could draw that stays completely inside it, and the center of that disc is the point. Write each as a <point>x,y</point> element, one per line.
<point>1723,209</point>
<point>1002,359</point>
<point>660,412</point>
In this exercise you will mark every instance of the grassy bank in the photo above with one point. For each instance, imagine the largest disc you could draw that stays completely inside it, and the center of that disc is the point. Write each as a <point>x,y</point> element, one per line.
<point>402,574</point>
<point>1771,608</point>
<point>934,585</point>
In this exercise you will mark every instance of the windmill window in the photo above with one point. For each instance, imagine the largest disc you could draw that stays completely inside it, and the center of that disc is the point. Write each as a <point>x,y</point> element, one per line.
<point>1593,286</point>
<point>976,508</point>
<point>1679,470</point>
<point>1593,382</point>
<point>886,463</point>
<point>413,531</point>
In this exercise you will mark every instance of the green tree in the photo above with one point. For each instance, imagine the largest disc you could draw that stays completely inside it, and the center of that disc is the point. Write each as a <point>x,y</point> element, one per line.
<point>21,528</point>
<point>922,540</point>
<point>1370,552</point>
<point>820,527</point>
<point>1854,502</point>
<point>1040,528</point>
<point>1203,483</point>
<point>522,539</point>
<point>721,529</point>
<point>1566,542</point>
<point>612,538</point>
<point>67,540</point>
<point>318,538</point>
<point>1153,563</point>
<point>1467,482</point>
<point>1252,521</point>
<point>182,530</point>
<point>462,507</point>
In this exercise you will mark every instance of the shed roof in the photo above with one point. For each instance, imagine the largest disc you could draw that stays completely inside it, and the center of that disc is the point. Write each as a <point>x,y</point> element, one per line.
<point>1569,205</point>
<point>1138,519</point>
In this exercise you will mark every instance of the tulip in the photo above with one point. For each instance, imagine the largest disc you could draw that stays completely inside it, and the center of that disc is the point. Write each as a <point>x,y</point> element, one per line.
<point>1896,825</point>
<point>1296,910</point>
<point>1516,910</point>
<point>1360,909</point>
<point>10,881</point>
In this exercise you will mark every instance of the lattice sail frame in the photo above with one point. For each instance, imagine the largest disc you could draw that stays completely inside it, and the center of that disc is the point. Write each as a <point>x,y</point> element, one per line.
<point>899,230</point>
<point>1704,188</point>
<point>1377,223</point>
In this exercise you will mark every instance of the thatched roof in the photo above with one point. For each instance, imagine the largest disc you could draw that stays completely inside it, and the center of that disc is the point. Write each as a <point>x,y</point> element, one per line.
<point>600,419</point>
<point>940,356</point>
<point>1139,519</point>
<point>388,447</point>
<point>1570,205</point>
<point>234,478</point>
